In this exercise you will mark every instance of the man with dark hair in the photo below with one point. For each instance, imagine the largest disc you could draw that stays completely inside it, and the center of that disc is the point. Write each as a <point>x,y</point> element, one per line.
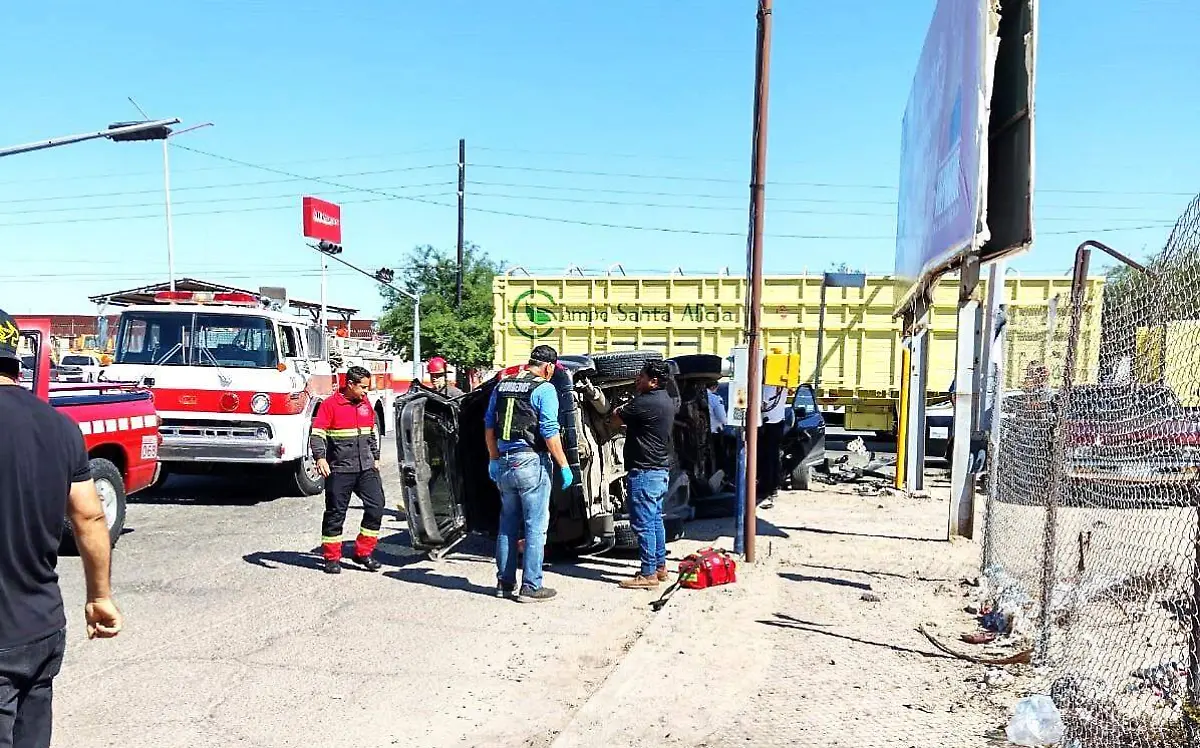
<point>522,436</point>
<point>346,448</point>
<point>44,477</point>
<point>648,420</point>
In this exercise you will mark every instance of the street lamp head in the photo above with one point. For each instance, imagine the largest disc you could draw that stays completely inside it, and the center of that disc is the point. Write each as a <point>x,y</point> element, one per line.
<point>161,132</point>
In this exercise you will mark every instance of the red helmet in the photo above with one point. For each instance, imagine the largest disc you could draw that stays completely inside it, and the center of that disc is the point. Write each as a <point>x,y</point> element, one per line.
<point>437,365</point>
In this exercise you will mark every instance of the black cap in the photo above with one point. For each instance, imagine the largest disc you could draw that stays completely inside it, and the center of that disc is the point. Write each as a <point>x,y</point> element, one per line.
<point>10,336</point>
<point>544,354</point>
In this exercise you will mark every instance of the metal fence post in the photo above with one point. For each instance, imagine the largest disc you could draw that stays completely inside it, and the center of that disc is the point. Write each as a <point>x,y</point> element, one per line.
<point>1060,415</point>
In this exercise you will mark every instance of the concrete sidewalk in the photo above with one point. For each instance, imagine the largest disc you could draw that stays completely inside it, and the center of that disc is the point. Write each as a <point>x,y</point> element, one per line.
<point>816,645</point>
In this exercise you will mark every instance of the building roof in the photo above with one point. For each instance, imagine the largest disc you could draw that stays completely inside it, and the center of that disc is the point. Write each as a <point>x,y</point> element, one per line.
<point>145,295</point>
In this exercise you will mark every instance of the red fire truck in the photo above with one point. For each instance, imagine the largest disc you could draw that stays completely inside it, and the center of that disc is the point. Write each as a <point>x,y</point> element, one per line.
<point>118,421</point>
<point>238,383</point>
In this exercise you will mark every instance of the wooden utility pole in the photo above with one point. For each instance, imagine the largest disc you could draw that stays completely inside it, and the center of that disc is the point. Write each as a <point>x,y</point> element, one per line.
<point>758,185</point>
<point>462,192</point>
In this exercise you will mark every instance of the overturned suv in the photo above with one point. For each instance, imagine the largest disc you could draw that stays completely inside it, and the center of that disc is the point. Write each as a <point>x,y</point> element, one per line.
<point>443,458</point>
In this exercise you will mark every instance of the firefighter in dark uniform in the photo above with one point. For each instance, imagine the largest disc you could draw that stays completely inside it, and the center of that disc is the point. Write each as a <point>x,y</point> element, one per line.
<point>437,373</point>
<point>346,448</point>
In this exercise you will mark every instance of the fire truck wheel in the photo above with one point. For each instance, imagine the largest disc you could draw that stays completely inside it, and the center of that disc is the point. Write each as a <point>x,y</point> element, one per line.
<point>304,474</point>
<point>110,487</point>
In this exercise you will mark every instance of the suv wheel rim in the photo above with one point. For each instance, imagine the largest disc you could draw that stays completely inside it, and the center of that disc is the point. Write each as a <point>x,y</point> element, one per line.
<point>108,500</point>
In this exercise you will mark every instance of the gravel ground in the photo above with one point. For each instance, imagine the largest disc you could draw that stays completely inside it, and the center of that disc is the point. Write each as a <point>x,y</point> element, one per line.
<point>235,638</point>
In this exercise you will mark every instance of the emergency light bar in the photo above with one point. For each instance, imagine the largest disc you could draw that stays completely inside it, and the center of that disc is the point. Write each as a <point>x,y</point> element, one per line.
<point>206,297</point>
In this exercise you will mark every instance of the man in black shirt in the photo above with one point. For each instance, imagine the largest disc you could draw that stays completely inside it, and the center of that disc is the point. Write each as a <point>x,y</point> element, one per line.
<point>648,419</point>
<point>45,477</point>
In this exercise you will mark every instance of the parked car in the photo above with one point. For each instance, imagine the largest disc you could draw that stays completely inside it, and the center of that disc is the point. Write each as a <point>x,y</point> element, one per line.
<point>118,421</point>
<point>443,460</point>
<point>79,367</point>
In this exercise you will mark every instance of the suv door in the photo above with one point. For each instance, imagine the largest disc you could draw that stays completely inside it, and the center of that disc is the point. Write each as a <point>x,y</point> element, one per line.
<point>804,443</point>
<point>430,480</point>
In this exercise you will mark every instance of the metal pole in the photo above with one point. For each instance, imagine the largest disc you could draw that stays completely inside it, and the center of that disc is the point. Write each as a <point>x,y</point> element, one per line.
<point>1057,480</point>
<point>962,483</point>
<point>820,341</point>
<point>996,374</point>
<point>170,231</point>
<point>69,139</point>
<point>462,191</point>
<point>324,305</point>
<point>416,338</point>
<point>757,195</point>
<point>739,533</point>
<point>1193,721</point>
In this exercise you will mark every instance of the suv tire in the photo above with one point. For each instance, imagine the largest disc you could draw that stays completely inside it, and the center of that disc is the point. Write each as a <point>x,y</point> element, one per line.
<point>623,365</point>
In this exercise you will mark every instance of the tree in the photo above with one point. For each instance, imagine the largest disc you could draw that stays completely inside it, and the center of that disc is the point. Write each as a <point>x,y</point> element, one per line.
<point>461,336</point>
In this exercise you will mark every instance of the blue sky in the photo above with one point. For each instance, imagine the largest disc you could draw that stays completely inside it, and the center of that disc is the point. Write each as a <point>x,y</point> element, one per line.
<point>633,112</point>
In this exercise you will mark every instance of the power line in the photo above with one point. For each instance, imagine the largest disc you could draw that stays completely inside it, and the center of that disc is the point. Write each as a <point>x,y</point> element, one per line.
<point>676,177</point>
<point>215,200</point>
<point>118,175</point>
<point>292,178</point>
<point>145,216</point>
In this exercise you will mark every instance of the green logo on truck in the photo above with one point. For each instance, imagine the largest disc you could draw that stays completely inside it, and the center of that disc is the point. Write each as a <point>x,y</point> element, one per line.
<point>533,314</point>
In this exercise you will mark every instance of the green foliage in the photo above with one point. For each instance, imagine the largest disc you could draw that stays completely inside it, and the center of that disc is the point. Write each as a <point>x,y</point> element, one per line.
<point>461,336</point>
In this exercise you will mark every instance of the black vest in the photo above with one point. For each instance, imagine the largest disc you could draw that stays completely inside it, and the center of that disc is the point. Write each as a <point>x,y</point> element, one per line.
<point>516,418</point>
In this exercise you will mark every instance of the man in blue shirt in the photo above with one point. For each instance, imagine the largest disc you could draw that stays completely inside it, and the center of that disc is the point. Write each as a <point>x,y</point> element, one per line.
<point>522,436</point>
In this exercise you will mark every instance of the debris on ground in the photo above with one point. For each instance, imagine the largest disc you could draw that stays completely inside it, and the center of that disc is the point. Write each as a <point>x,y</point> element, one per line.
<point>855,465</point>
<point>870,597</point>
<point>1024,657</point>
<point>1036,722</point>
<point>980,637</point>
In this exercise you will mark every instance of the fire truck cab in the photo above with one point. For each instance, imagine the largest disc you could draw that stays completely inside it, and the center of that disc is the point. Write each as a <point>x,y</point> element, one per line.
<point>236,383</point>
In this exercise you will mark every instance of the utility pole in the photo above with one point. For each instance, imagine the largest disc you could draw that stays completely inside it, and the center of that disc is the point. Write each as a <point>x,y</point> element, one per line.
<point>758,181</point>
<point>462,191</point>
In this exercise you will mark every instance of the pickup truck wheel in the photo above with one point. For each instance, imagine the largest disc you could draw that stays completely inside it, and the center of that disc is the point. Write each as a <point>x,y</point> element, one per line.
<point>306,478</point>
<point>110,486</point>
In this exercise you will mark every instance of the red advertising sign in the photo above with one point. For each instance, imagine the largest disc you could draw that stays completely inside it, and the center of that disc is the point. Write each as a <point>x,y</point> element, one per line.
<point>322,220</point>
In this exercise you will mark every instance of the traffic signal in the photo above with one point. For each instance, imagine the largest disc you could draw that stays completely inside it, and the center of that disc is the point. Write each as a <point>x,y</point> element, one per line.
<point>329,248</point>
<point>154,133</point>
<point>385,275</point>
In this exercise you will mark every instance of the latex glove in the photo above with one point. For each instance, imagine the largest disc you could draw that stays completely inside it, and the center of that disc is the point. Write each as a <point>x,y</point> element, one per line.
<point>568,477</point>
<point>494,470</point>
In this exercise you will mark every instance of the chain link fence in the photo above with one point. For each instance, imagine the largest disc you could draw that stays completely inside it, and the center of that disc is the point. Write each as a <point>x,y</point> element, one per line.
<point>1092,549</point>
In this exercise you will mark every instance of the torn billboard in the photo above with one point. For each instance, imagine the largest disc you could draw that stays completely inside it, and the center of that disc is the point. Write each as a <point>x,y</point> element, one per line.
<point>966,145</point>
<point>941,144</point>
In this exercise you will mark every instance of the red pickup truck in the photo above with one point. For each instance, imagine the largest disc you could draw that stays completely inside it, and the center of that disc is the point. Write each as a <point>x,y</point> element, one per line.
<point>118,421</point>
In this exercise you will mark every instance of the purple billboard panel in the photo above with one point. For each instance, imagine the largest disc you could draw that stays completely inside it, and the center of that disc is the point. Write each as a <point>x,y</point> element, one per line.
<point>942,144</point>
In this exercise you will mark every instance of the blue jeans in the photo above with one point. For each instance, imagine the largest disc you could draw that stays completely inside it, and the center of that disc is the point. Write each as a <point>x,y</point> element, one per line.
<point>524,505</point>
<point>647,488</point>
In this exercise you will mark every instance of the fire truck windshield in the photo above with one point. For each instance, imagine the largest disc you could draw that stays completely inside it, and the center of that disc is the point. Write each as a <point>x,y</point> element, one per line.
<point>178,338</point>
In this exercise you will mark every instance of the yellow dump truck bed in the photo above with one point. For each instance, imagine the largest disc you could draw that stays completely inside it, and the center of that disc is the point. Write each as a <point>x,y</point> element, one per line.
<point>705,314</point>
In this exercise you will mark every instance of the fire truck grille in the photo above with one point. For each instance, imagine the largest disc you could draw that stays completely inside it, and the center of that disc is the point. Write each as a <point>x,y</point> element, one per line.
<point>247,431</point>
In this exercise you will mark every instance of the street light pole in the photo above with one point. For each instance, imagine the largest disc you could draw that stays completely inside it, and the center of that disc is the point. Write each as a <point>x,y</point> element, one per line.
<point>170,230</point>
<point>384,277</point>
<point>113,133</point>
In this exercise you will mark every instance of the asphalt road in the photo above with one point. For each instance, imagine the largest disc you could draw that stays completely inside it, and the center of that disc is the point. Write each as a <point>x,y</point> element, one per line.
<point>234,637</point>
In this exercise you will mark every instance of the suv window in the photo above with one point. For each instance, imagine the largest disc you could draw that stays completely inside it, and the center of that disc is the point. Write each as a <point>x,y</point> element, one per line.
<point>804,400</point>
<point>77,361</point>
